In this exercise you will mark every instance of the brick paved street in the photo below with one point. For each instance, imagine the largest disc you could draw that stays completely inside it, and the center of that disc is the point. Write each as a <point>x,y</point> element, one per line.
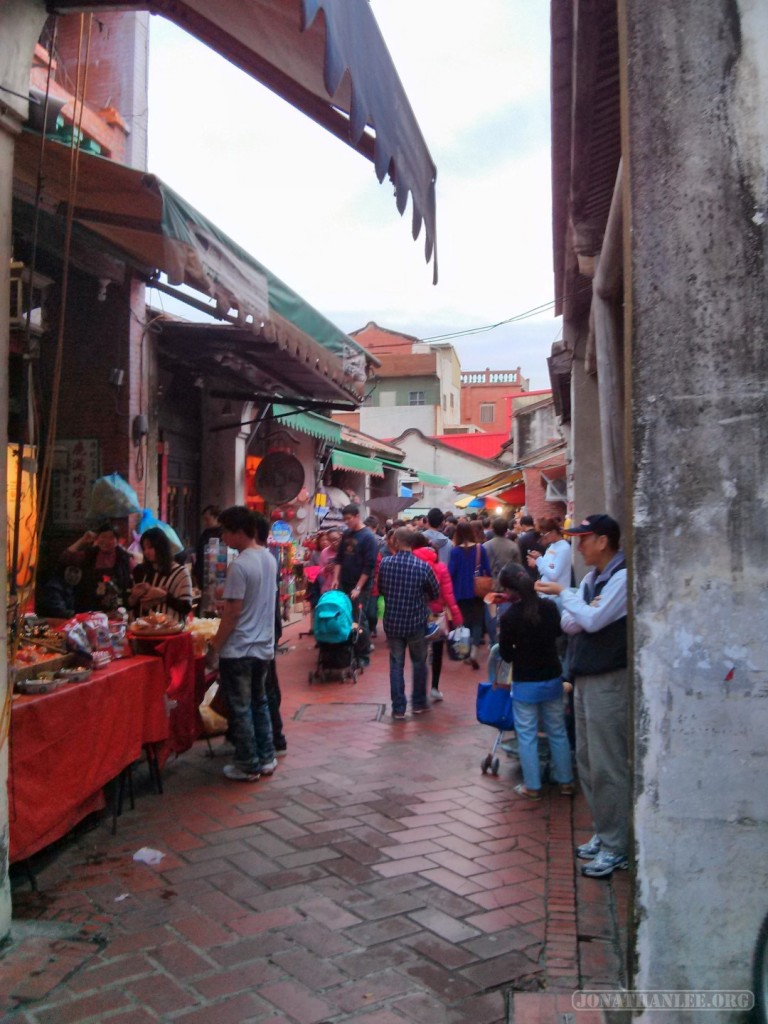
<point>378,878</point>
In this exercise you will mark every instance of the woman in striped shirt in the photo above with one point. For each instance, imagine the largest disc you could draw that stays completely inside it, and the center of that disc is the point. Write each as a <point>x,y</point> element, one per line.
<point>160,585</point>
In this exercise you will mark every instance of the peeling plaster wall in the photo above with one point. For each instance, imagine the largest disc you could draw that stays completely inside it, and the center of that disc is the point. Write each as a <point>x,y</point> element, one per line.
<point>698,294</point>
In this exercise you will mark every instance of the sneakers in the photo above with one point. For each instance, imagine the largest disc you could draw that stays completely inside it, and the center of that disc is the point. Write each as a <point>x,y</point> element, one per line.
<point>420,711</point>
<point>588,851</point>
<point>268,767</point>
<point>604,864</point>
<point>235,774</point>
<point>398,716</point>
<point>281,751</point>
<point>435,695</point>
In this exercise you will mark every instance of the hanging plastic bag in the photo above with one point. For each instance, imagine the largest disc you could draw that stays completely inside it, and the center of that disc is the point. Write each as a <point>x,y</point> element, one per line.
<point>149,520</point>
<point>112,498</point>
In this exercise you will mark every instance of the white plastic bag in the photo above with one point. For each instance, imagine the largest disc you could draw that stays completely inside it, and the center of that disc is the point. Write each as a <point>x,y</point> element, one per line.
<point>459,643</point>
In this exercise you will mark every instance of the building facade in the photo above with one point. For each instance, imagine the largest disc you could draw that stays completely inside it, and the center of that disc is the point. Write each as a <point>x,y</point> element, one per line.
<point>486,396</point>
<point>414,383</point>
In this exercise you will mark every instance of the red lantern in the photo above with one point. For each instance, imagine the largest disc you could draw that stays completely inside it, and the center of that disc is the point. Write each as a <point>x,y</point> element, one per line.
<point>290,513</point>
<point>277,513</point>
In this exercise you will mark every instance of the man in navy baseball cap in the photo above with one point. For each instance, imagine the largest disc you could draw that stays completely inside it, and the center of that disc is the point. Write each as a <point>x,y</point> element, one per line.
<point>595,618</point>
<point>602,525</point>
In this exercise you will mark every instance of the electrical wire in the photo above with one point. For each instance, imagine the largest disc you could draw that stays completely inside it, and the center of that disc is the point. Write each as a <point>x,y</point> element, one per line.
<point>77,120</point>
<point>536,311</point>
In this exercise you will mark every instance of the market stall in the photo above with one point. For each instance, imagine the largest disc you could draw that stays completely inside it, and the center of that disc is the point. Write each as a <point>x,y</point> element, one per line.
<point>65,746</point>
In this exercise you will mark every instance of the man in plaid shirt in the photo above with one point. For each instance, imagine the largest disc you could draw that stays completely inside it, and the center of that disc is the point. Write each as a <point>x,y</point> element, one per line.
<point>407,584</point>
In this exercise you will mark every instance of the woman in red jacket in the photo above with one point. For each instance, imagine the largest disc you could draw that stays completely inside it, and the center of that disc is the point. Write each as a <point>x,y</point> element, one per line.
<point>446,602</point>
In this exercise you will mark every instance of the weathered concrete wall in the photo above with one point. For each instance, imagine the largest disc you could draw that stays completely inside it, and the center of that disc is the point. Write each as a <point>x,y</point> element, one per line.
<point>698,316</point>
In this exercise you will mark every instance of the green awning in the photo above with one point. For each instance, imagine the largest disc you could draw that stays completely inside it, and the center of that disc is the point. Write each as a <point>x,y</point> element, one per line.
<point>357,463</point>
<point>431,478</point>
<point>311,423</point>
<point>426,478</point>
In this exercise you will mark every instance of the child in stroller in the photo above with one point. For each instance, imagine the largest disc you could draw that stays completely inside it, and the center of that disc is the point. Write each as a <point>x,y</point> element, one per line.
<point>335,634</point>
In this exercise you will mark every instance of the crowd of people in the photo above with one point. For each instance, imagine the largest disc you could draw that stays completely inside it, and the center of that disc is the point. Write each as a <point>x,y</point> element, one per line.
<point>505,582</point>
<point>566,645</point>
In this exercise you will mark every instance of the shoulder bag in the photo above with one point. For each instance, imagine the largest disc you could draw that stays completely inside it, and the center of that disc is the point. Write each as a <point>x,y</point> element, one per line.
<point>483,583</point>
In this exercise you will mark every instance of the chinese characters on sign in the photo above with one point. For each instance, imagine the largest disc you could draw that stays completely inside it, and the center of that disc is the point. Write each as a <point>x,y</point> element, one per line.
<point>76,466</point>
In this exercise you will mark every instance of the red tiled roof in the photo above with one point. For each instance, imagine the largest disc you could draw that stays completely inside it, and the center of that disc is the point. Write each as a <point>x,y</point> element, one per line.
<point>485,446</point>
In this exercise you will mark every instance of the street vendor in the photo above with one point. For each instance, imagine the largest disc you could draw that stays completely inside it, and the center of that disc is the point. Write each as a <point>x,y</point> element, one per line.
<point>105,569</point>
<point>161,587</point>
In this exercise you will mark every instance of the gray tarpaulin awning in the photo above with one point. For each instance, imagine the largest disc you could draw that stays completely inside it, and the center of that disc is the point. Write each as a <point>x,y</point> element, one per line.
<point>141,217</point>
<point>328,59</point>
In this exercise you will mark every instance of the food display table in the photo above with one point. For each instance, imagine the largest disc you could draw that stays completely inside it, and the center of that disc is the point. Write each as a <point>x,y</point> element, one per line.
<point>66,745</point>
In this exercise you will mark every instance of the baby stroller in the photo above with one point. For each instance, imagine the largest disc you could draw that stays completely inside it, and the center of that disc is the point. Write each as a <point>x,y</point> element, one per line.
<point>336,635</point>
<point>494,708</point>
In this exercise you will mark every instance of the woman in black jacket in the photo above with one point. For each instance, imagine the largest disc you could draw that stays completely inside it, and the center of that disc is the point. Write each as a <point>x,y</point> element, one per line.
<point>528,632</point>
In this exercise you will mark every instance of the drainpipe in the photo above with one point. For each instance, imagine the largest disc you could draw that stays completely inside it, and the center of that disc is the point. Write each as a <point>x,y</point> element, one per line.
<point>609,356</point>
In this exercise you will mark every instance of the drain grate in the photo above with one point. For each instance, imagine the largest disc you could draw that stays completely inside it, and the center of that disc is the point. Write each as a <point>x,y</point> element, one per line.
<point>340,712</point>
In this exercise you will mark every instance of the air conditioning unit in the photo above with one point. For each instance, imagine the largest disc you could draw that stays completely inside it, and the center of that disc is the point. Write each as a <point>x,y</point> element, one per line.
<point>414,485</point>
<point>28,292</point>
<point>557,490</point>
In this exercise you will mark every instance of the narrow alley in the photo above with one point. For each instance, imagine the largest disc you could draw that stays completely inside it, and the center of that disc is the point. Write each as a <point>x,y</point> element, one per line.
<point>377,877</point>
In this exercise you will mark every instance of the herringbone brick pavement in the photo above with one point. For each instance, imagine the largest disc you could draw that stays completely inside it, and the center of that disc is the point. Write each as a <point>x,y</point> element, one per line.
<point>378,878</point>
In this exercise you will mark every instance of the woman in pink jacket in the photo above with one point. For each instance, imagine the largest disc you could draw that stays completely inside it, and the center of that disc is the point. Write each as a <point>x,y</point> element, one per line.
<point>446,602</point>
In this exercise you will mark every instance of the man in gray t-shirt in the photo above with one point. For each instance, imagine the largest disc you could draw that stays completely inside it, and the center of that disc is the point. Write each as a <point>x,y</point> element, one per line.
<point>245,642</point>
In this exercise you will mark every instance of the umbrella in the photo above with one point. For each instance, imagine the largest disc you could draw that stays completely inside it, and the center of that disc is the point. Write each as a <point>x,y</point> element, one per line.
<point>390,506</point>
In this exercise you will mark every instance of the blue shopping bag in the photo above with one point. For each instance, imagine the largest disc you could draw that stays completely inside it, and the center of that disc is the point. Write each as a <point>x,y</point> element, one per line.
<point>494,706</point>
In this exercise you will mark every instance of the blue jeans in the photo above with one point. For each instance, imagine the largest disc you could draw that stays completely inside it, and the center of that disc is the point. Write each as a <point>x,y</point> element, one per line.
<point>417,648</point>
<point>243,685</point>
<point>527,727</point>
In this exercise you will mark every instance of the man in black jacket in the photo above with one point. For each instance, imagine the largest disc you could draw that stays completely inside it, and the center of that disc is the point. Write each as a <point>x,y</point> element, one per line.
<point>354,570</point>
<point>528,540</point>
<point>595,617</point>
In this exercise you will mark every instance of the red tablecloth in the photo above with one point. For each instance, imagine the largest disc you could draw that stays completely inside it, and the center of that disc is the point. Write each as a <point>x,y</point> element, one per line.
<point>66,745</point>
<point>180,675</point>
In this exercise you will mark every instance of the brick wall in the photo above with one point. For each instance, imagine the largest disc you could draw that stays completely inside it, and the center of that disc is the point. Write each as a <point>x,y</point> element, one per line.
<point>535,500</point>
<point>101,336</point>
<point>117,70</point>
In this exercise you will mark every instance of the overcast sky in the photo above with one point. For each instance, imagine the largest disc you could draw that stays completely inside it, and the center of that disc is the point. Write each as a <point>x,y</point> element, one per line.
<point>310,208</point>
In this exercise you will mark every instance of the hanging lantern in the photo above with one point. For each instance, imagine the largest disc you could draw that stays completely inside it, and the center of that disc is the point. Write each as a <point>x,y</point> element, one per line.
<point>277,513</point>
<point>290,513</point>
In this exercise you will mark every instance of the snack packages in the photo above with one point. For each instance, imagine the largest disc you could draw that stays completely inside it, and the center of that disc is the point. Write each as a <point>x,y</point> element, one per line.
<point>87,634</point>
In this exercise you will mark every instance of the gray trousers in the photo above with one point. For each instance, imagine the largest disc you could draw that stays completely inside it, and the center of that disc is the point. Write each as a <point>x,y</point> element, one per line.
<point>601,711</point>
